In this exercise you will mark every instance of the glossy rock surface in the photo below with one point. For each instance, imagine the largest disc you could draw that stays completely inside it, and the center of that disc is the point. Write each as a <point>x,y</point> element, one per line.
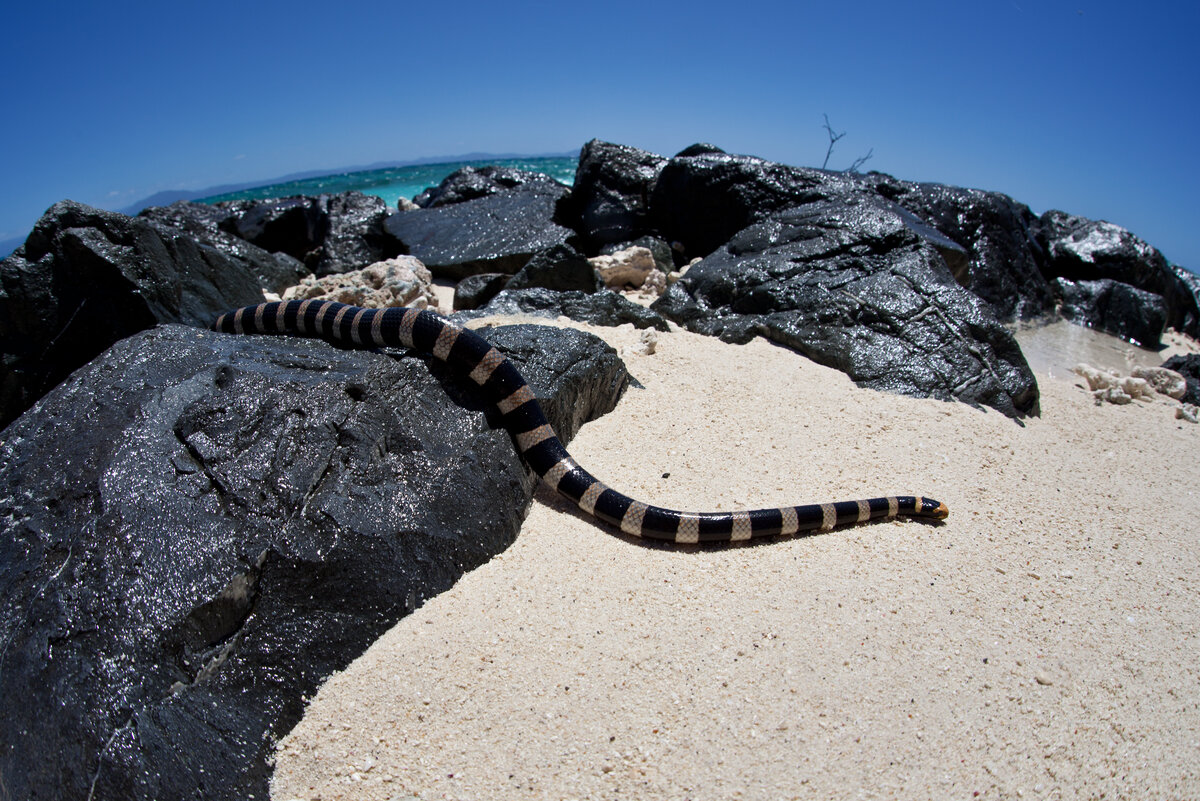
<point>191,544</point>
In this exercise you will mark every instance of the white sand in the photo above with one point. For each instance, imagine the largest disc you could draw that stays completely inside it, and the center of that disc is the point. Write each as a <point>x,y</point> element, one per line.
<point>1042,643</point>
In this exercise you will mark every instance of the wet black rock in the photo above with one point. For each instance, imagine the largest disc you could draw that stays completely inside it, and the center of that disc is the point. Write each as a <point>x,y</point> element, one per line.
<point>1187,365</point>
<point>86,278</point>
<point>475,182</point>
<point>329,233</point>
<point>600,308</point>
<point>701,201</point>
<point>561,268</point>
<point>476,290</point>
<point>698,149</point>
<point>611,195</point>
<point>1080,249</point>
<point>853,284</point>
<point>1003,263</point>
<point>493,234</point>
<point>191,544</point>
<point>1116,308</point>
<point>207,225</point>
<point>354,236</point>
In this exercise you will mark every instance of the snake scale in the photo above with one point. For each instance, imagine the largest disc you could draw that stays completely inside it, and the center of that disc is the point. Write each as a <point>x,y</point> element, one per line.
<point>500,382</point>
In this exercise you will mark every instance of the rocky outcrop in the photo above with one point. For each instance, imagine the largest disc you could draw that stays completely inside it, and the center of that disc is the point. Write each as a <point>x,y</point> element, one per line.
<point>207,225</point>
<point>1116,308</point>
<point>611,195</point>
<point>86,278</point>
<point>700,201</point>
<point>402,281</point>
<point>498,233</point>
<point>191,544</point>
<point>561,268</point>
<point>329,233</point>
<point>598,308</point>
<point>470,183</point>
<point>851,285</point>
<point>1079,249</point>
<point>1002,261</point>
<point>476,290</point>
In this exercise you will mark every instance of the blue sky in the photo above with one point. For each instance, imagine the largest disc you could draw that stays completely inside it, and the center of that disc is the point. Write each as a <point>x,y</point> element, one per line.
<point>1091,107</point>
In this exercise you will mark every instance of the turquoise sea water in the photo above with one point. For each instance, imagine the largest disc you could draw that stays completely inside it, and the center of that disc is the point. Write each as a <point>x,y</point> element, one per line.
<point>395,182</point>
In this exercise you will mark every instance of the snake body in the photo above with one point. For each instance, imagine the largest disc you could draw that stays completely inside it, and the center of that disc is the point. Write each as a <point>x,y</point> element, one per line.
<point>500,381</point>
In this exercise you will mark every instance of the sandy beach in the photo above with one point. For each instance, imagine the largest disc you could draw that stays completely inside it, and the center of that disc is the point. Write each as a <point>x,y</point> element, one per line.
<point>1040,643</point>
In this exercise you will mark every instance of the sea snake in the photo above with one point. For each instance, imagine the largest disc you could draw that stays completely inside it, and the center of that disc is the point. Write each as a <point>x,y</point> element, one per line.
<point>500,381</point>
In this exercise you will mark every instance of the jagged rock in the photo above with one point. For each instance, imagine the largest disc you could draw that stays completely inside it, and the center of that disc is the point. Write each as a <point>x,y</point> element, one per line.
<point>404,204</point>
<point>86,278</point>
<point>1189,367</point>
<point>851,285</point>
<point>561,268</point>
<point>599,308</point>
<point>476,290</point>
<point>469,183</point>
<point>329,233</point>
<point>354,236</point>
<point>1119,309</point>
<point>701,201</point>
<point>630,267</point>
<point>1079,249</point>
<point>291,225</point>
<point>1190,282</point>
<point>611,193</point>
<point>208,225</point>
<point>493,234</point>
<point>193,543</point>
<point>402,281</point>
<point>1002,259</point>
<point>698,149</point>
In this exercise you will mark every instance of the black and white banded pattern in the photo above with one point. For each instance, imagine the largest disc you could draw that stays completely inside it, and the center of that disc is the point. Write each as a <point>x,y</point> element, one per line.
<point>501,383</point>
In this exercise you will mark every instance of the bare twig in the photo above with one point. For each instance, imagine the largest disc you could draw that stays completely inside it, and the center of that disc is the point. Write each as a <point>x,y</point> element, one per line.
<point>833,137</point>
<point>861,160</point>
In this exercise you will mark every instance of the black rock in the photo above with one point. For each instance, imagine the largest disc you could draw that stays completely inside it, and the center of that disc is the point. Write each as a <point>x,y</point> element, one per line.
<point>851,285</point>
<point>561,268</point>
<point>1187,365</point>
<point>611,194</point>
<point>476,290</point>
<point>1080,249</point>
<point>329,233</point>
<point>208,225</point>
<point>600,308</point>
<point>1114,307</point>
<point>86,278</point>
<point>469,183</point>
<point>701,201</point>
<point>192,544</point>
<point>1003,257</point>
<point>698,149</point>
<point>291,225</point>
<point>355,236</point>
<point>494,234</point>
